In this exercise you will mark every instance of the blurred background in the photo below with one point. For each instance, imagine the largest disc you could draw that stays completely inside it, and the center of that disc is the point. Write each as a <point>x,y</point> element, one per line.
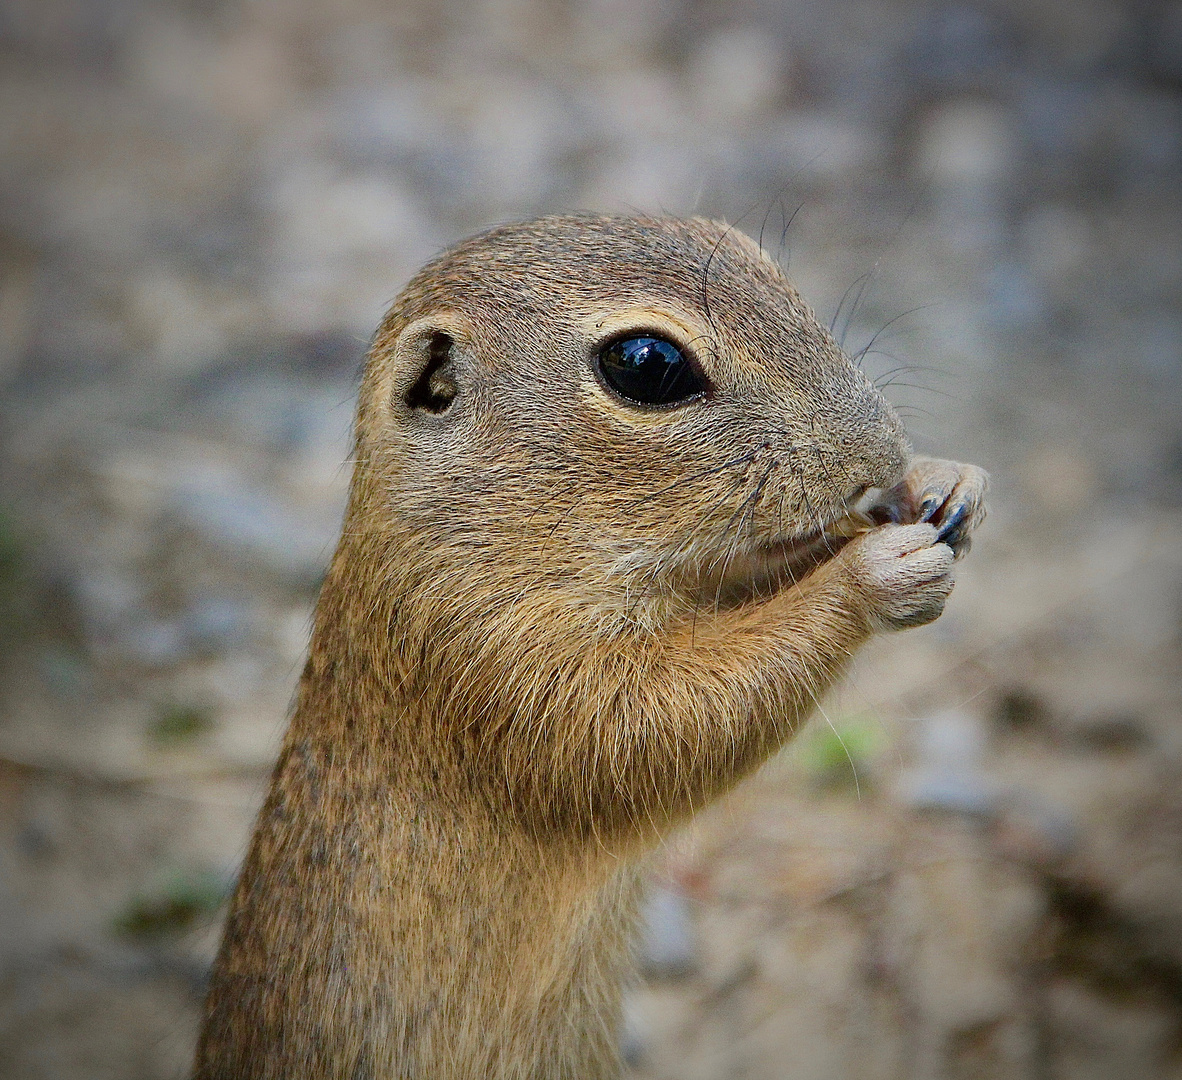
<point>971,866</point>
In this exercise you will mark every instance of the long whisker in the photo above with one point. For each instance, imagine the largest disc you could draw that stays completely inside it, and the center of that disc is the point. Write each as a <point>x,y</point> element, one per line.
<point>882,329</point>
<point>711,344</point>
<point>916,386</point>
<point>859,283</point>
<point>666,558</point>
<point>559,521</point>
<point>568,487</point>
<point>859,296</point>
<point>907,369</point>
<point>710,259</point>
<point>825,469</point>
<point>747,505</point>
<point>742,459</point>
<point>778,200</point>
<point>748,515</point>
<point>784,238</point>
<point>816,521</point>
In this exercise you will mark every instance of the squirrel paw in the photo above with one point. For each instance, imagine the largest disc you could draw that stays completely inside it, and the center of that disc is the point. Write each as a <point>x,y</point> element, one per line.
<point>946,494</point>
<point>903,572</point>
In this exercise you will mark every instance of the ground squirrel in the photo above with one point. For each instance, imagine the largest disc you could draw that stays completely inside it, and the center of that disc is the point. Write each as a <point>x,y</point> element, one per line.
<point>597,565</point>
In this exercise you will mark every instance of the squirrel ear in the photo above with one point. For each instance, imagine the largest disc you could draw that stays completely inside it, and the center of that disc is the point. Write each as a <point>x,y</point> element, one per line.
<point>426,361</point>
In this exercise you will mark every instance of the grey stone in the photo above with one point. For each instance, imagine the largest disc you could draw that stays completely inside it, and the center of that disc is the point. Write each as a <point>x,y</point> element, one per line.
<point>948,774</point>
<point>251,522</point>
<point>1165,43</point>
<point>667,947</point>
<point>156,642</point>
<point>1016,300</point>
<point>217,622</point>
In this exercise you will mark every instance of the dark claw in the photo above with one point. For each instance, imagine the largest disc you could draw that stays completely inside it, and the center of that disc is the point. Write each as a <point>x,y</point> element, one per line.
<point>950,528</point>
<point>930,504</point>
<point>958,541</point>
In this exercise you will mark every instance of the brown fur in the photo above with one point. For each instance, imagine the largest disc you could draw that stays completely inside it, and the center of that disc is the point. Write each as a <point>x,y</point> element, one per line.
<point>555,625</point>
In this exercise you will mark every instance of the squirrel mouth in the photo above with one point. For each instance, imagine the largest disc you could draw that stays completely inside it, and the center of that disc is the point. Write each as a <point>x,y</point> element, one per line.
<point>797,555</point>
<point>766,566</point>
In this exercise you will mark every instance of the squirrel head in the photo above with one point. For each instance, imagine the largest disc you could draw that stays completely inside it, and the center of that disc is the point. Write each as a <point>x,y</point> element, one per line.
<point>616,407</point>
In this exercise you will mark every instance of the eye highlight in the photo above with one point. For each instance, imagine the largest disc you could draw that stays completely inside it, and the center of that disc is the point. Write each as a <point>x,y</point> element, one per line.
<point>649,371</point>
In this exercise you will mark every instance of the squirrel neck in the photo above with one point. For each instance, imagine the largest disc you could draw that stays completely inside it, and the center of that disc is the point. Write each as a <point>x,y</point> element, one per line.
<point>408,920</point>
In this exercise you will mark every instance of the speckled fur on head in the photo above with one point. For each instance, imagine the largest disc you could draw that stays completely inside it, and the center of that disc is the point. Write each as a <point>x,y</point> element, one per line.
<point>556,625</point>
<point>533,451</point>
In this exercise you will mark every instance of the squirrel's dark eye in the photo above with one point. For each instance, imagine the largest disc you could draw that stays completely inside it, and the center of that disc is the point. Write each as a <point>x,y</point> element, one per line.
<point>649,371</point>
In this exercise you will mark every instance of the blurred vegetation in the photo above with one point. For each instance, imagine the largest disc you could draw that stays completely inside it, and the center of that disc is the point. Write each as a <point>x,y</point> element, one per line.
<point>13,574</point>
<point>839,753</point>
<point>180,723</point>
<point>180,901</point>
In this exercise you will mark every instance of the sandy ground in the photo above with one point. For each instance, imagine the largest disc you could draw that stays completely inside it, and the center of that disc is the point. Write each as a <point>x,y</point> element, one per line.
<point>971,865</point>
